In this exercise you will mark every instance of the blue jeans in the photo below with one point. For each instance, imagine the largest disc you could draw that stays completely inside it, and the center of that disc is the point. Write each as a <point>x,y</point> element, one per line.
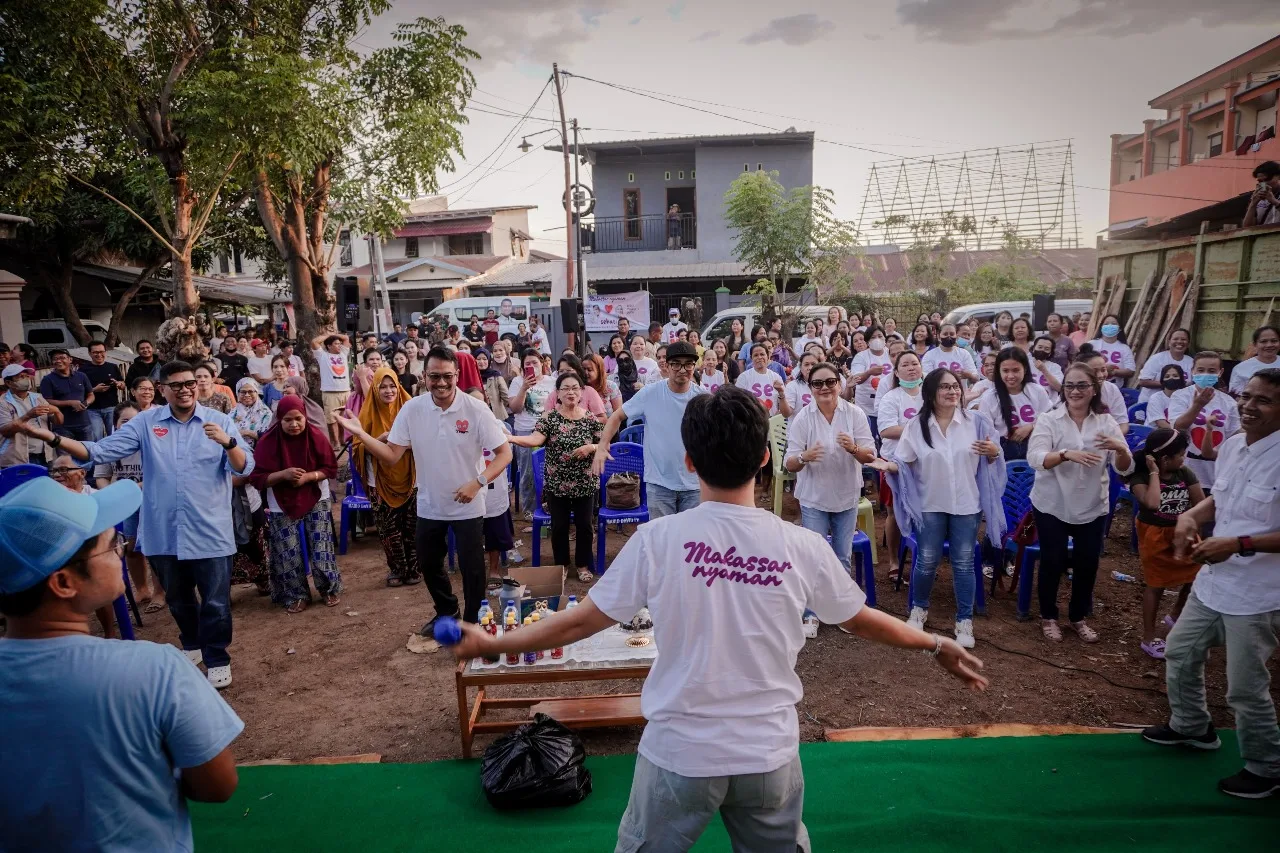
<point>839,525</point>
<point>101,421</point>
<point>961,532</point>
<point>203,624</point>
<point>664,501</point>
<point>524,469</point>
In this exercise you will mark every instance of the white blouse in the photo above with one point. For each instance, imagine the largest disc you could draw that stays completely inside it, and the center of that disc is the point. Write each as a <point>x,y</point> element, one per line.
<point>1072,492</point>
<point>834,482</point>
<point>948,470</point>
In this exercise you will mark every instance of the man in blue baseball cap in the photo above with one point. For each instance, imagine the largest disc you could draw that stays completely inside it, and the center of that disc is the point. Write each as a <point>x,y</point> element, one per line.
<point>101,741</point>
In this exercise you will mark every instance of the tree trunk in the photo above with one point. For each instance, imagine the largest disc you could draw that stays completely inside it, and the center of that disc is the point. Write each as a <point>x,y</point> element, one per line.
<point>58,285</point>
<point>182,335</point>
<point>117,312</point>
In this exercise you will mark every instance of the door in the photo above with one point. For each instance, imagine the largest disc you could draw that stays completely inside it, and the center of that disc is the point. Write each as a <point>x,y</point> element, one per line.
<point>685,198</point>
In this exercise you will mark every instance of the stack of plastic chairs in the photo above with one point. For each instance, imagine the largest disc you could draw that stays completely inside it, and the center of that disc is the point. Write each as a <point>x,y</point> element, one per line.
<point>540,516</point>
<point>777,452</point>
<point>354,501</point>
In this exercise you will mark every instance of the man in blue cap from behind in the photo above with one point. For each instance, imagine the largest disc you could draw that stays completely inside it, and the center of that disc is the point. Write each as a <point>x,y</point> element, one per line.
<point>101,741</point>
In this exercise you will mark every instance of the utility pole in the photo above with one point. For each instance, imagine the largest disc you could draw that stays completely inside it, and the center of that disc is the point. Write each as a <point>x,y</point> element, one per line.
<point>380,294</point>
<point>577,238</point>
<point>570,237</point>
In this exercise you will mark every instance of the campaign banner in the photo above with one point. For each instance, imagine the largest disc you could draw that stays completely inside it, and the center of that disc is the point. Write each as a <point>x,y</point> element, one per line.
<point>603,311</point>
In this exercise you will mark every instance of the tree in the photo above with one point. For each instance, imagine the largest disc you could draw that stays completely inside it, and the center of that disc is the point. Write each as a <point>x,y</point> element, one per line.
<point>337,139</point>
<point>788,234</point>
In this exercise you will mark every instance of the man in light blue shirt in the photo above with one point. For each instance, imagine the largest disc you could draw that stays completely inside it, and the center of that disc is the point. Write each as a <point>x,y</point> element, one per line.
<point>102,741</point>
<point>189,456</point>
<point>670,485</point>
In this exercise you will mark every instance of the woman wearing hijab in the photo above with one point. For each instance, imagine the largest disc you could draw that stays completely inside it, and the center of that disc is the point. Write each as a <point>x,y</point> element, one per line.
<point>296,386</point>
<point>391,488</point>
<point>293,464</point>
<point>251,415</point>
<point>495,386</point>
<point>251,563</point>
<point>628,376</point>
<point>469,375</point>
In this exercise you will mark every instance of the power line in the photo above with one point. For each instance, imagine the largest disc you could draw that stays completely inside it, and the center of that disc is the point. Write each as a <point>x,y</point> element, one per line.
<point>505,139</point>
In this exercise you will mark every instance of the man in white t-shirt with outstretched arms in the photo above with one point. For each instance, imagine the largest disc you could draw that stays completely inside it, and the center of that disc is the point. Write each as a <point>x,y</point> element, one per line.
<point>726,583</point>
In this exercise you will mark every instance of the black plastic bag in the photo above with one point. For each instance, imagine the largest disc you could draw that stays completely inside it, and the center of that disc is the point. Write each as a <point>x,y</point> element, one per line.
<point>538,765</point>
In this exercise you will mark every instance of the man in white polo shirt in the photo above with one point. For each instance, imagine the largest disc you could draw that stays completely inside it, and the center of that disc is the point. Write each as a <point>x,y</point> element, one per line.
<point>448,433</point>
<point>1235,600</point>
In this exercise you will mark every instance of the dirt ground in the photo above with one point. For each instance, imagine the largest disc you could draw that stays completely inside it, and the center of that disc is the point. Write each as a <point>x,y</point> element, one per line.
<point>340,681</point>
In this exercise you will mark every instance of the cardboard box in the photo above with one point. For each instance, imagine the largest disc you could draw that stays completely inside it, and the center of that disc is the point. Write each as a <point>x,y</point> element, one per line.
<point>541,583</point>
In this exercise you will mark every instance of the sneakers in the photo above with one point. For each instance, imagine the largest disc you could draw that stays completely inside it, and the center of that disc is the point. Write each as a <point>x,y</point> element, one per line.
<point>194,655</point>
<point>1165,736</point>
<point>220,676</point>
<point>919,615</point>
<point>1250,786</point>
<point>964,633</point>
<point>1154,649</point>
<point>429,629</point>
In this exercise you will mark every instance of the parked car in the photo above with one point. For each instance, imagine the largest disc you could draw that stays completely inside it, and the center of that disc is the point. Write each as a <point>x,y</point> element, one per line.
<point>511,312</point>
<point>721,325</point>
<point>986,311</point>
<point>47,335</point>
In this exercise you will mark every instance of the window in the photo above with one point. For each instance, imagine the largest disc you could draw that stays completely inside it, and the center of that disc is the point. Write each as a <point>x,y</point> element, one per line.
<point>746,167</point>
<point>693,173</point>
<point>236,262</point>
<point>344,249</point>
<point>466,244</point>
<point>411,247</point>
<point>1215,144</point>
<point>45,337</point>
<point>224,264</point>
<point>667,176</point>
<point>631,214</point>
<point>631,177</point>
<point>681,174</point>
<point>518,313</point>
<point>759,167</point>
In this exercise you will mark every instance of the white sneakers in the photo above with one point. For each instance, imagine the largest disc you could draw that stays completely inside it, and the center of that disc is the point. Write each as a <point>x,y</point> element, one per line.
<point>917,618</point>
<point>220,676</point>
<point>194,655</point>
<point>964,633</point>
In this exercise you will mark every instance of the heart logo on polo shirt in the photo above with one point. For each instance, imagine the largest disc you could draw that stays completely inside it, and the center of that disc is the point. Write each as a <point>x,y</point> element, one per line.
<point>461,426</point>
<point>160,432</point>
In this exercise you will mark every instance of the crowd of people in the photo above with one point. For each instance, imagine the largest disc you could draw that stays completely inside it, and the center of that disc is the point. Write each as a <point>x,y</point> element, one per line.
<point>231,474</point>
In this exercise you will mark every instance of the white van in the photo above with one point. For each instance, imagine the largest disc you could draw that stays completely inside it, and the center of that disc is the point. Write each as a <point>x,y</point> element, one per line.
<point>985,312</point>
<point>46,335</point>
<point>721,325</point>
<point>510,310</point>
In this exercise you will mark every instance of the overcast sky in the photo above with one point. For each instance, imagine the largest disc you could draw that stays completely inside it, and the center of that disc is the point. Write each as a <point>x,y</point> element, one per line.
<point>900,77</point>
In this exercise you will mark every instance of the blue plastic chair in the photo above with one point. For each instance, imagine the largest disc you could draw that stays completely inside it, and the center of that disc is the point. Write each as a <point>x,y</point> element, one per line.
<point>540,515</point>
<point>1135,410</point>
<point>633,434</point>
<point>628,457</point>
<point>864,568</point>
<point>11,478</point>
<point>909,543</point>
<point>354,501</point>
<point>1130,395</point>
<point>1017,503</point>
<point>1119,492</point>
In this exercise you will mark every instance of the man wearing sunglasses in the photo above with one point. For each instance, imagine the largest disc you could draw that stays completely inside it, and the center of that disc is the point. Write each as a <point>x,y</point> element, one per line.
<point>104,742</point>
<point>189,456</point>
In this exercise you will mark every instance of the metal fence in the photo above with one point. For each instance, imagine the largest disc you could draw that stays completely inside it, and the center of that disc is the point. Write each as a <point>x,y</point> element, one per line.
<point>646,233</point>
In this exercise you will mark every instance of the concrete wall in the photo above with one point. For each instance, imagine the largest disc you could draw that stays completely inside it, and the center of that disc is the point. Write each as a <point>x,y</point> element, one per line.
<point>717,169</point>
<point>610,177</point>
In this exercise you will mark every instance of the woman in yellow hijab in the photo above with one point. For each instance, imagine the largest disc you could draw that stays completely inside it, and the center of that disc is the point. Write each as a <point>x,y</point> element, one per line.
<point>391,488</point>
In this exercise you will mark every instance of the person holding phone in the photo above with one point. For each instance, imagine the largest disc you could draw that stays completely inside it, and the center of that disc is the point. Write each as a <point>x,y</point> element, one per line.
<point>107,383</point>
<point>1264,209</point>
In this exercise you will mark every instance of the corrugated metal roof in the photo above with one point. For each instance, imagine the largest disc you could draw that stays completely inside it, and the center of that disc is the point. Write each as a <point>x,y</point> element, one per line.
<point>790,137</point>
<point>888,271</point>
<point>540,273</point>
<point>473,225</point>
<point>210,288</point>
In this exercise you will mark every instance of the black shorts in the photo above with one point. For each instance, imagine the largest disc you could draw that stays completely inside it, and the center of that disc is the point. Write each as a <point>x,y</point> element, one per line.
<point>499,533</point>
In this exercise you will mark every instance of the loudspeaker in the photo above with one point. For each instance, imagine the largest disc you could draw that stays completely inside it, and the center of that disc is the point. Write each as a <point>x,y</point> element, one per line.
<point>1041,308</point>
<point>570,309</point>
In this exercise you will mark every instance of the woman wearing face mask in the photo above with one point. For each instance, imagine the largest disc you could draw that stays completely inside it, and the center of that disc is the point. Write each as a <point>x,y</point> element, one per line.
<point>1020,335</point>
<point>1120,363</point>
<point>868,369</point>
<point>894,411</point>
<point>1176,345</point>
<point>627,378</point>
<point>1044,370</point>
<point>392,489</point>
<point>1172,378</point>
<point>761,381</point>
<point>1210,415</point>
<point>1266,344</point>
<point>1070,449</point>
<point>293,464</point>
<point>797,394</point>
<point>950,356</point>
<point>947,473</point>
<point>1016,403</point>
<point>921,339</point>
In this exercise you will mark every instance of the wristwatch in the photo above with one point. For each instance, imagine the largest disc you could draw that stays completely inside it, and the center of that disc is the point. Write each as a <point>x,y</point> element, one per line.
<point>1246,546</point>
<point>231,445</point>
<point>481,480</point>
<point>55,442</point>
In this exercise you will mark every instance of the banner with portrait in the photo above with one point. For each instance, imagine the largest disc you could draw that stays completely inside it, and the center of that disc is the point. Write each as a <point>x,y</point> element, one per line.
<point>604,311</point>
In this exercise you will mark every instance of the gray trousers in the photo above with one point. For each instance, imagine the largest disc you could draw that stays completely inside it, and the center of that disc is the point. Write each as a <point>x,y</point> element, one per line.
<point>668,812</point>
<point>1250,640</point>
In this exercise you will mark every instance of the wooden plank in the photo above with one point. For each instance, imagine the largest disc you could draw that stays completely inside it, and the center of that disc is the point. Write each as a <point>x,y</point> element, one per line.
<point>1140,306</point>
<point>881,733</point>
<point>1146,341</point>
<point>622,710</point>
<point>1100,301</point>
<point>362,758</point>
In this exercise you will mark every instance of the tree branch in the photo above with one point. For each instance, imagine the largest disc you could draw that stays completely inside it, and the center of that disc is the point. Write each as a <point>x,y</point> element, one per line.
<point>127,209</point>
<point>117,311</point>
<point>202,217</point>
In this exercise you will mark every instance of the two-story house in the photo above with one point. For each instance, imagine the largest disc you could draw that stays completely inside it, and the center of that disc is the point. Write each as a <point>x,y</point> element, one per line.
<point>1215,129</point>
<point>636,240</point>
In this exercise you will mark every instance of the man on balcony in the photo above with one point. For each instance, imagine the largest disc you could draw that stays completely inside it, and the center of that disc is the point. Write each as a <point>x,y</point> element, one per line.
<point>673,227</point>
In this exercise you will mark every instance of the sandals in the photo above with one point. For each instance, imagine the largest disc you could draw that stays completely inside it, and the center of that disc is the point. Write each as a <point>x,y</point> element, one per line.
<point>331,600</point>
<point>297,607</point>
<point>394,581</point>
<point>1086,634</point>
<point>1052,631</point>
<point>154,606</point>
<point>585,576</point>
<point>410,581</point>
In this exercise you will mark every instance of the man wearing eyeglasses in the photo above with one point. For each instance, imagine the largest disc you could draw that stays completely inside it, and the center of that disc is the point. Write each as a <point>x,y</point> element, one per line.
<point>189,456</point>
<point>72,392</point>
<point>447,433</point>
<point>104,742</point>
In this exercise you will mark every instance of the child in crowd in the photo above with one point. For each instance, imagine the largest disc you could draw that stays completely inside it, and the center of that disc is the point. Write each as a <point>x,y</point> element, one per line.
<point>1165,488</point>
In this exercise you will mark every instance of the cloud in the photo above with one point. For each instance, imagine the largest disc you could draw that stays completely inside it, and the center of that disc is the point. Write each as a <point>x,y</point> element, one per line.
<point>793,30</point>
<point>676,9</point>
<point>969,21</point>
<point>873,36</point>
<point>706,36</point>
<point>635,20</point>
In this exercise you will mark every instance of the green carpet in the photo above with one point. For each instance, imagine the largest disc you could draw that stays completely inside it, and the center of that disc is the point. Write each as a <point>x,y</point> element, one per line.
<point>1074,792</point>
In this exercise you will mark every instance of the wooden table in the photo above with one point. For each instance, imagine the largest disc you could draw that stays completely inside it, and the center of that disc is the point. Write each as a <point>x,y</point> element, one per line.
<point>576,712</point>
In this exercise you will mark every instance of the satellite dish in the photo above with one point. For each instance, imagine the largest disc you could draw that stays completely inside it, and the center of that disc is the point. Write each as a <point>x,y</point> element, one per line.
<point>584,200</point>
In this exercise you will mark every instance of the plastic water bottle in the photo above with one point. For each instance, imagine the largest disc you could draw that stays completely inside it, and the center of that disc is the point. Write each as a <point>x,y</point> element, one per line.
<point>487,625</point>
<point>508,626</point>
<point>529,657</point>
<point>447,631</point>
<point>573,602</point>
<point>1122,577</point>
<point>536,619</point>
